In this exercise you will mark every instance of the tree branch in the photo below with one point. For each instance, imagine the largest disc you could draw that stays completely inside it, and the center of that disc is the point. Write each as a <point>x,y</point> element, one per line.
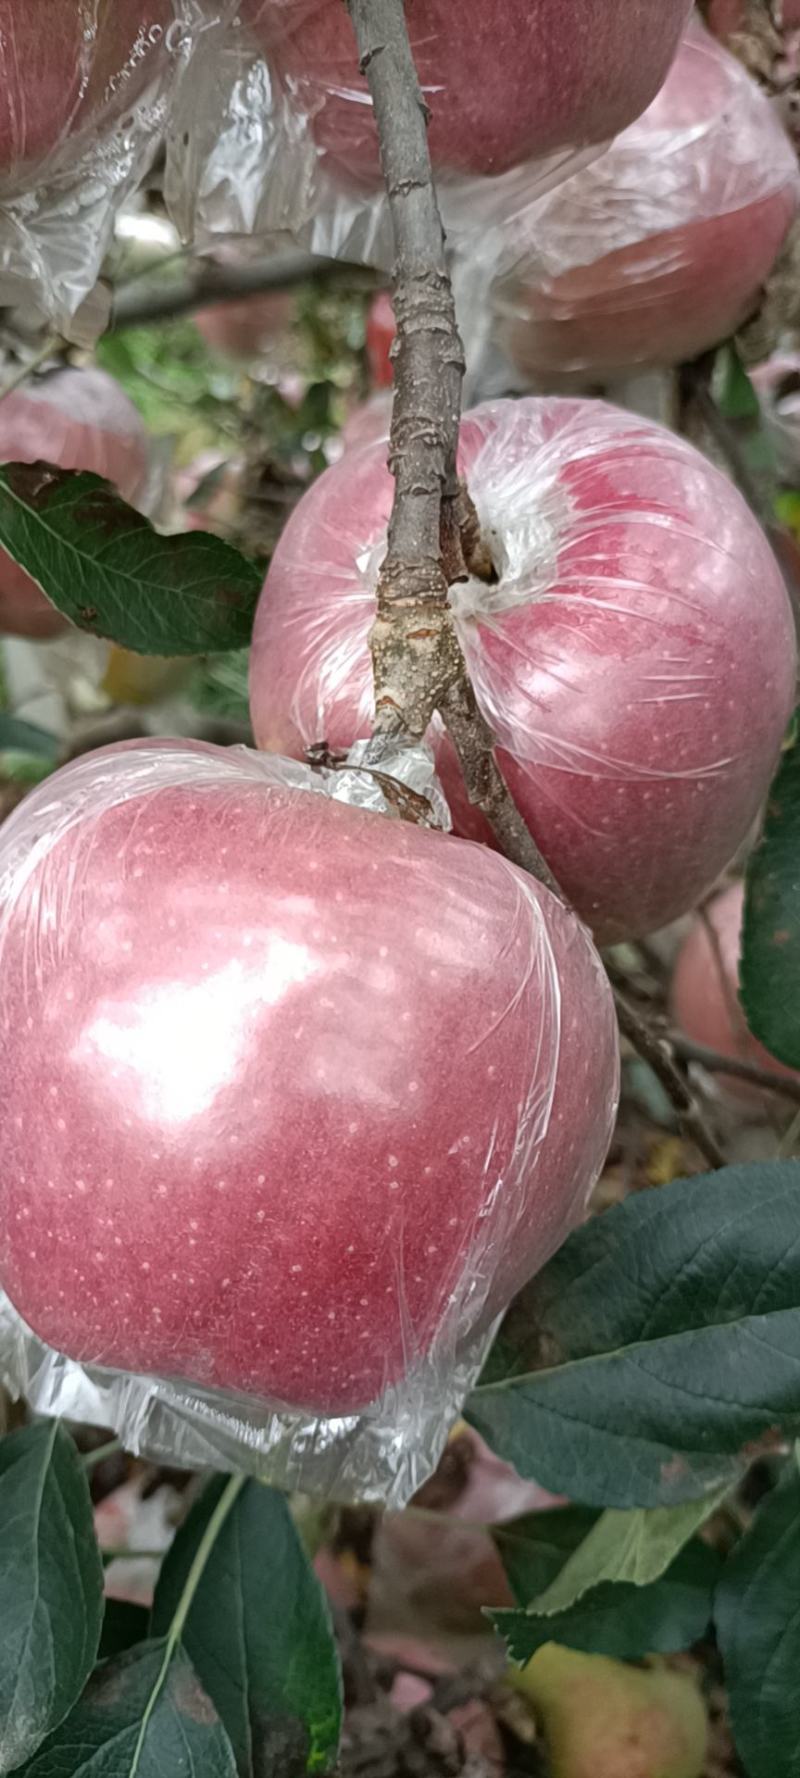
<point>787,1085</point>
<point>434,538</point>
<point>206,282</point>
<point>657,1052</point>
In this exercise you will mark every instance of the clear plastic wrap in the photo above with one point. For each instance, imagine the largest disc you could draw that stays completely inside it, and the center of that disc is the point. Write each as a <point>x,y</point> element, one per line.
<point>76,419</point>
<point>778,384</point>
<point>84,92</point>
<point>295,1097</point>
<point>659,249</point>
<point>635,656</point>
<point>272,133</point>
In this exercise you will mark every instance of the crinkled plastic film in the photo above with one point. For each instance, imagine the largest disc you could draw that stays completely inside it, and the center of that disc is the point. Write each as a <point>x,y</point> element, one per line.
<point>778,385</point>
<point>594,654</point>
<point>250,1026</point>
<point>659,248</point>
<point>271,134</point>
<point>85,89</point>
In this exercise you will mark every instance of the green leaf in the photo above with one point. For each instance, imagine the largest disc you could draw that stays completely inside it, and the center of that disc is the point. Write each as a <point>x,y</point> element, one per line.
<point>624,1620</point>
<point>653,1353</point>
<point>733,391</point>
<point>758,1627</point>
<point>124,1624</point>
<point>627,1588</point>
<point>636,1546</point>
<point>770,967</point>
<point>143,1715</point>
<point>26,737</point>
<point>533,1549</point>
<point>258,1632</point>
<point>51,1586</point>
<point>105,567</point>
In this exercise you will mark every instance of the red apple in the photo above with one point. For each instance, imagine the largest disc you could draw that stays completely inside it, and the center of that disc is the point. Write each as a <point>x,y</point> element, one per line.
<point>659,249</point>
<point>76,419</point>
<point>504,82</point>
<point>71,65</point>
<point>705,992</point>
<point>636,657</point>
<point>246,329</point>
<point>381,330</point>
<point>293,1090</point>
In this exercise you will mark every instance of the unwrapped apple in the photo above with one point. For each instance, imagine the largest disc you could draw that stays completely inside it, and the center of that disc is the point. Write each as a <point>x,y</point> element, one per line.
<point>75,419</point>
<point>658,249</point>
<point>504,82</point>
<point>295,1096</point>
<point>635,655</point>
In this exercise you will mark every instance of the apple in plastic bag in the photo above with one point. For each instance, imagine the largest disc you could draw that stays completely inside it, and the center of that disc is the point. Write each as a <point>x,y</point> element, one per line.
<point>705,994</point>
<point>68,66</point>
<point>504,83</point>
<point>658,249</point>
<point>635,657</point>
<point>75,419</point>
<point>295,1096</point>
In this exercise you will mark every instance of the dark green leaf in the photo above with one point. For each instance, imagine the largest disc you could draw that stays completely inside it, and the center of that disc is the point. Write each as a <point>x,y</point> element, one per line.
<point>733,391</point>
<point>623,1620</point>
<point>758,1626</point>
<point>26,737</point>
<point>533,1549</point>
<point>258,1630</point>
<point>636,1546</point>
<point>105,567</point>
<point>124,1624</point>
<point>770,968</point>
<point>659,1346</point>
<point>143,1715</point>
<point>51,1586</point>
<point>621,1617</point>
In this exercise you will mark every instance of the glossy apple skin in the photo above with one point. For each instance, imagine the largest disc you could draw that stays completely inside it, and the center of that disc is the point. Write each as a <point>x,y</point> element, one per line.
<point>705,994</point>
<point>66,68</point>
<point>658,249</point>
<point>504,83</point>
<point>636,658</point>
<point>294,1092</point>
<point>244,330</point>
<point>76,419</point>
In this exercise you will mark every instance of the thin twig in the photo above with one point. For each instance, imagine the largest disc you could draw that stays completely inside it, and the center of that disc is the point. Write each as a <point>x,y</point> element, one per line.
<point>208,283</point>
<point>657,1052</point>
<point>787,1085</point>
<point>47,349</point>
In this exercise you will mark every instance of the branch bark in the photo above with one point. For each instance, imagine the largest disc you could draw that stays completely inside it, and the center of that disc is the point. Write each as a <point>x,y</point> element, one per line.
<point>657,1051</point>
<point>434,538</point>
<point>206,283</point>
